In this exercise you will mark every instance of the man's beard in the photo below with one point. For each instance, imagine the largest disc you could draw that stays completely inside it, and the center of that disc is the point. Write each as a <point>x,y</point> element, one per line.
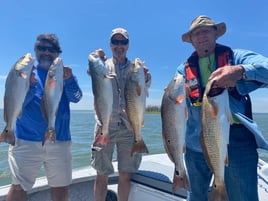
<point>45,61</point>
<point>120,53</point>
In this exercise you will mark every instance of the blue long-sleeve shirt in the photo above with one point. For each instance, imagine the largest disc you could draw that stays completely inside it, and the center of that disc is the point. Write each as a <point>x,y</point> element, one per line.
<point>256,69</point>
<point>32,125</point>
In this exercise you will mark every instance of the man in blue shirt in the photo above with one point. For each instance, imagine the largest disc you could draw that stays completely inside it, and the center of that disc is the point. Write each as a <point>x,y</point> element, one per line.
<point>241,71</point>
<point>28,154</point>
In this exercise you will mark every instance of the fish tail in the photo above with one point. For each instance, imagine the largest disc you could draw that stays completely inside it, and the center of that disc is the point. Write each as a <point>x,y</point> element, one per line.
<point>8,136</point>
<point>49,136</point>
<point>3,136</point>
<point>218,193</point>
<point>180,181</point>
<point>101,140</point>
<point>139,147</point>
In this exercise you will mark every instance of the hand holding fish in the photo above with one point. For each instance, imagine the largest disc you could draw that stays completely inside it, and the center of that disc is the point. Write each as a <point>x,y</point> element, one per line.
<point>227,76</point>
<point>147,76</point>
<point>32,78</point>
<point>99,53</point>
<point>67,73</point>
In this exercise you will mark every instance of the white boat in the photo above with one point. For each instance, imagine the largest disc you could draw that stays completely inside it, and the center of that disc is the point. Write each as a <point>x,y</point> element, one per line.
<point>153,181</point>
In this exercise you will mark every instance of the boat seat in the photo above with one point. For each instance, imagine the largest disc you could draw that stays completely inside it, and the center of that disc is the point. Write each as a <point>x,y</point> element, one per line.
<point>157,181</point>
<point>155,175</point>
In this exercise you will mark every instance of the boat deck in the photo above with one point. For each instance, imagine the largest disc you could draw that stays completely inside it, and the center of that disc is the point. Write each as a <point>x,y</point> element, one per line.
<point>151,182</point>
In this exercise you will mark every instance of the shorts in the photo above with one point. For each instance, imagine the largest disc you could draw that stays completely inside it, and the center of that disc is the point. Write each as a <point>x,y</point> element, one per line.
<point>26,158</point>
<point>123,138</point>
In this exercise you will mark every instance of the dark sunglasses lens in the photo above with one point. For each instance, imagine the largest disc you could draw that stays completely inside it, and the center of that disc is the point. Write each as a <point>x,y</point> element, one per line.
<point>45,48</point>
<point>119,42</point>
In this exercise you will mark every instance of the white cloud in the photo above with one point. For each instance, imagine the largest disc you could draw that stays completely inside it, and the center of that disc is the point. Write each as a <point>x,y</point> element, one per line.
<point>3,77</point>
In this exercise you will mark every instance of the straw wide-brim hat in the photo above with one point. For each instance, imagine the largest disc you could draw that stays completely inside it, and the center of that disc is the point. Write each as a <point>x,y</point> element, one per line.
<point>200,21</point>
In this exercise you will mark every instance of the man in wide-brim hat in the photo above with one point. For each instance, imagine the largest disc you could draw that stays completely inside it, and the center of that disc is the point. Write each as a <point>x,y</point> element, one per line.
<point>204,21</point>
<point>241,71</point>
<point>201,27</point>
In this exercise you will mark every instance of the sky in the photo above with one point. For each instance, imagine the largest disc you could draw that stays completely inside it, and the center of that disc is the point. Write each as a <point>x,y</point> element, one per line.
<point>154,27</point>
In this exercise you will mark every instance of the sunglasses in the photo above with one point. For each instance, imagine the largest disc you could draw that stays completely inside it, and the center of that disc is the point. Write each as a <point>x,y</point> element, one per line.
<point>46,48</point>
<point>119,42</point>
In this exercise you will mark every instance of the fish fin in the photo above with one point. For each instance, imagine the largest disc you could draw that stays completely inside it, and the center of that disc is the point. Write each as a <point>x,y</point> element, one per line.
<point>218,193</point>
<point>98,113</point>
<point>3,136</point>
<point>101,139</point>
<point>8,136</point>
<point>184,149</point>
<point>226,160</point>
<point>20,113</point>
<point>5,116</point>
<point>23,75</point>
<point>142,123</point>
<point>229,116</point>
<point>186,112</point>
<point>43,110</point>
<point>215,109</point>
<point>138,90</point>
<point>61,87</point>
<point>180,181</point>
<point>96,148</point>
<point>51,83</point>
<point>49,136</point>
<point>179,99</point>
<point>5,109</point>
<point>107,77</point>
<point>139,147</point>
<point>165,88</point>
<point>110,76</point>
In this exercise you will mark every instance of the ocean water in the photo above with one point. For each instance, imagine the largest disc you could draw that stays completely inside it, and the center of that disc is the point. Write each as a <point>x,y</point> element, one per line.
<point>82,126</point>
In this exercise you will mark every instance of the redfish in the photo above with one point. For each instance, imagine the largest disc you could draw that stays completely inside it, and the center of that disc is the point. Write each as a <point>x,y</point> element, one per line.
<point>103,97</point>
<point>216,120</point>
<point>135,95</point>
<point>174,115</point>
<point>16,87</point>
<point>52,96</point>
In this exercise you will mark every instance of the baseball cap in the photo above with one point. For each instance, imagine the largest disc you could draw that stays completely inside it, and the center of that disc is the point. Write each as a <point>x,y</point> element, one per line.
<point>121,31</point>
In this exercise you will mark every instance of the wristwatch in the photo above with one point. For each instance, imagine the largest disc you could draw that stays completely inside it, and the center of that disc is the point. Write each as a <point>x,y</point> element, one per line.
<point>244,76</point>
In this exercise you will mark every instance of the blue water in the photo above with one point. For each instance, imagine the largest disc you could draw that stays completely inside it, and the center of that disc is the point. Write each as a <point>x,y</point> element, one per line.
<point>82,126</point>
